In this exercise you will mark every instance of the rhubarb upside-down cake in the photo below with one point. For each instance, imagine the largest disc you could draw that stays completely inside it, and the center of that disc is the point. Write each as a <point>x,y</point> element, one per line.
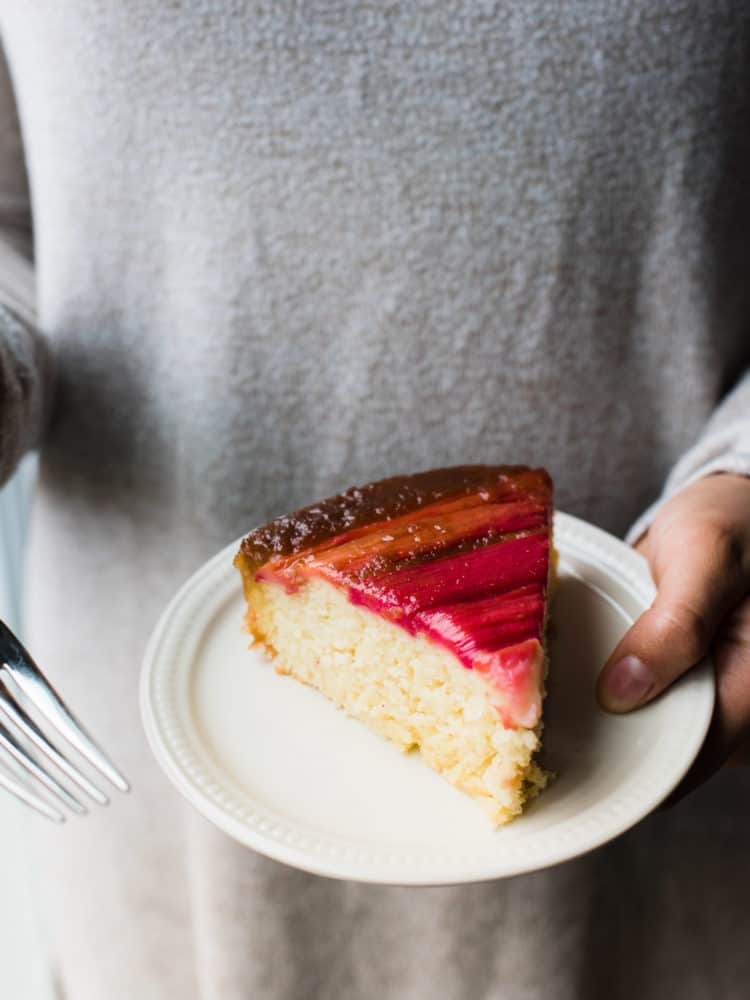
<point>418,604</point>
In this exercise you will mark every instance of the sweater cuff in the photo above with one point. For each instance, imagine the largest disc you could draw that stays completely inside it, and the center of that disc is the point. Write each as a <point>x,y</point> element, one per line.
<point>26,389</point>
<point>737,463</point>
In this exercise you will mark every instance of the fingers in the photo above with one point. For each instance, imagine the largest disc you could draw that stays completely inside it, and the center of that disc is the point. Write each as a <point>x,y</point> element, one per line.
<point>731,655</point>
<point>700,580</point>
<point>728,737</point>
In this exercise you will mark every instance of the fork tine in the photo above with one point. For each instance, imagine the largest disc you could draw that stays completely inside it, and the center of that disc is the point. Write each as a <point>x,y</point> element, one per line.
<point>25,673</point>
<point>9,743</point>
<point>29,728</point>
<point>29,798</point>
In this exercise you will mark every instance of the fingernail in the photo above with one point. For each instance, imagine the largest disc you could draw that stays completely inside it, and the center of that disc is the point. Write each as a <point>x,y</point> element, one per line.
<point>626,684</point>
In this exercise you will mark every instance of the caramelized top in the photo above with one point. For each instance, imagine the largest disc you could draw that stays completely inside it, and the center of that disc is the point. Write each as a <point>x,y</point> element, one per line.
<point>386,500</point>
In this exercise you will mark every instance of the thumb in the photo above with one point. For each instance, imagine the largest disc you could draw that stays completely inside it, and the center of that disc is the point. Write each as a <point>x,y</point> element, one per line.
<point>702,579</point>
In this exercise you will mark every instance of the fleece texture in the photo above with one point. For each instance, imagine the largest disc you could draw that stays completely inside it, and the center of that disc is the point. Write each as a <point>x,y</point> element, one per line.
<point>285,247</point>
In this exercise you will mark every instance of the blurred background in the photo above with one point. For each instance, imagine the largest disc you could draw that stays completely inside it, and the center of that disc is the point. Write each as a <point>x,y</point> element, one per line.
<point>24,977</point>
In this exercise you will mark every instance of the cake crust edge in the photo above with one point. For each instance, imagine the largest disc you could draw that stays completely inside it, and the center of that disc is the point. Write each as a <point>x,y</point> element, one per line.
<point>382,500</point>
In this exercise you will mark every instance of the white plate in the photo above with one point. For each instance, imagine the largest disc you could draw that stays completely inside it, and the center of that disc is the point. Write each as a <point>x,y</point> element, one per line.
<point>275,765</point>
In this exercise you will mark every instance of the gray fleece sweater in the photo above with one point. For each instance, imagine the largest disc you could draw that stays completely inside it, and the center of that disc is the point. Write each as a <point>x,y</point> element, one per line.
<point>283,247</point>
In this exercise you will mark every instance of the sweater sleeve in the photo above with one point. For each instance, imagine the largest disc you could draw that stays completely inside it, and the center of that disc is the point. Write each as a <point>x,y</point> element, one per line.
<point>724,446</point>
<point>25,366</point>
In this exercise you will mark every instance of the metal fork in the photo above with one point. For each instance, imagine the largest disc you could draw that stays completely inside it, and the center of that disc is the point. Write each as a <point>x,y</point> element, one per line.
<point>18,667</point>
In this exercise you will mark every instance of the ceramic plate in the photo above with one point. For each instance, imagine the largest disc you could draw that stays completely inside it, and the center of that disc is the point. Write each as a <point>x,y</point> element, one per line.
<point>276,766</point>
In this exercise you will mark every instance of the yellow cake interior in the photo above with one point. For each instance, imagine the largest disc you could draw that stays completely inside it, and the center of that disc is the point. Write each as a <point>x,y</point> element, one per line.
<point>405,687</point>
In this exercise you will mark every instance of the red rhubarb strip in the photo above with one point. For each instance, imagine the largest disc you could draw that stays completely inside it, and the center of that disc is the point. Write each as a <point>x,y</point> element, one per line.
<point>390,544</point>
<point>484,571</point>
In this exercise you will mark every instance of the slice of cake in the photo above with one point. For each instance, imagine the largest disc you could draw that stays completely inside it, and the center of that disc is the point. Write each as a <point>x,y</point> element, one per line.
<point>418,604</point>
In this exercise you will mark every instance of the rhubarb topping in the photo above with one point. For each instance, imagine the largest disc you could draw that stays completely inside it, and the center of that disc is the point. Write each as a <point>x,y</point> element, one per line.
<point>467,569</point>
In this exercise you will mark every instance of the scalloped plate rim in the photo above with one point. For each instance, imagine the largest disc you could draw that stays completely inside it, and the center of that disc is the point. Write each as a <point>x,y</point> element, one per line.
<point>334,856</point>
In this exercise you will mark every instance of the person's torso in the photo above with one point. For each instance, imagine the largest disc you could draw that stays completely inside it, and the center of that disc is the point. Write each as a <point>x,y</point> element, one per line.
<point>283,248</point>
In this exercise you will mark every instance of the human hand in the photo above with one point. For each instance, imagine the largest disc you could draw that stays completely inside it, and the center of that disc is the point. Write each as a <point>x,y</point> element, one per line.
<point>698,549</point>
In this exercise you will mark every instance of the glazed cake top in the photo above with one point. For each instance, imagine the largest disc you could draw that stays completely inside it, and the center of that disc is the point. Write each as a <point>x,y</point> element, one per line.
<point>458,555</point>
<point>387,499</point>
